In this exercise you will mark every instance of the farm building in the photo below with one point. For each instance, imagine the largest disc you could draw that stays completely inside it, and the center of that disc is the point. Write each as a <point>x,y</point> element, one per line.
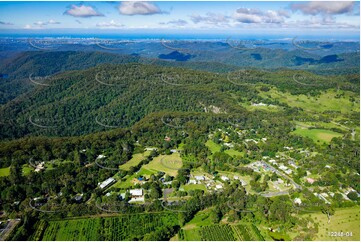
<point>106,183</point>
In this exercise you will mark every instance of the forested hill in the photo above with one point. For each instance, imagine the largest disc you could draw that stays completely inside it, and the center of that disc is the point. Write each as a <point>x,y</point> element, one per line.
<point>21,67</point>
<point>113,96</point>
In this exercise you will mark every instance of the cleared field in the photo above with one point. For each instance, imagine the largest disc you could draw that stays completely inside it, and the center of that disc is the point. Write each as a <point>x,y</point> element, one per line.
<point>317,135</point>
<point>136,159</point>
<point>170,164</point>
<point>344,220</point>
<point>127,227</point>
<point>326,101</point>
<point>213,147</point>
<point>233,152</point>
<point>271,108</point>
<point>224,232</point>
<point>4,171</point>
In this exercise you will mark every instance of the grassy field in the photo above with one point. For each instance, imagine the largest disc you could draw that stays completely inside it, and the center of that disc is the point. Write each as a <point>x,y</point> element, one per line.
<point>4,171</point>
<point>136,159</point>
<point>233,152</point>
<point>190,187</point>
<point>344,220</point>
<point>170,164</point>
<point>263,108</point>
<point>326,101</point>
<point>27,169</point>
<point>213,147</point>
<point>317,135</point>
<point>129,181</point>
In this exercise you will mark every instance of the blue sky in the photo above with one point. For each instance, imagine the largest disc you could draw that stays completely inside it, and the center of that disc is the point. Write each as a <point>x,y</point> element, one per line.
<point>208,17</point>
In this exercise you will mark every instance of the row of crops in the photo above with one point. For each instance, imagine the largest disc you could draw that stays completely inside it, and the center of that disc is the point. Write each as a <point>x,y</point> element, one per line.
<point>126,227</point>
<point>239,232</point>
<point>217,232</point>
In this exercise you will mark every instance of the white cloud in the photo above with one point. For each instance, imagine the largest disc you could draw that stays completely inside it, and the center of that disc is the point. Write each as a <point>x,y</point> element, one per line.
<point>138,8</point>
<point>178,22</point>
<point>331,8</point>
<point>210,18</point>
<point>42,23</point>
<point>250,15</point>
<point>82,11</point>
<point>111,24</point>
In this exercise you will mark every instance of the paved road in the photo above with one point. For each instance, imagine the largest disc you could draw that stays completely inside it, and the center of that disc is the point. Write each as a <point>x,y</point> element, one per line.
<point>297,186</point>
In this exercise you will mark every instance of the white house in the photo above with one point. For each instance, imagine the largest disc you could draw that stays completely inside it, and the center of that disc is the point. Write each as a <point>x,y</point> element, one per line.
<point>101,156</point>
<point>199,178</point>
<point>136,192</point>
<point>224,178</point>
<point>218,186</point>
<point>297,201</point>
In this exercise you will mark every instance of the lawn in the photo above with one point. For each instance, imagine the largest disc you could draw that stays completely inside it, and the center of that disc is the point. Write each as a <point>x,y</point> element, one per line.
<point>4,171</point>
<point>190,187</point>
<point>317,135</point>
<point>344,220</point>
<point>136,159</point>
<point>170,164</point>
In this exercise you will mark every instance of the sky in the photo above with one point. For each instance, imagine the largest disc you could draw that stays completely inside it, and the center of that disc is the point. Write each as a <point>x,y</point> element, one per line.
<point>199,17</point>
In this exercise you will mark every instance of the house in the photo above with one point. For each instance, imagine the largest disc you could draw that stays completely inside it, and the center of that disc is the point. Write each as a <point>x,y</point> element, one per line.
<point>218,186</point>
<point>136,199</point>
<point>101,156</point>
<point>122,196</point>
<point>150,149</point>
<point>173,151</point>
<point>243,182</point>
<point>136,192</point>
<point>106,183</point>
<point>224,178</point>
<point>288,171</point>
<point>78,197</point>
<point>199,178</point>
<point>282,167</point>
<point>230,145</point>
<point>40,167</point>
<point>236,177</point>
<point>310,180</point>
<point>297,201</point>
<point>136,195</point>
<point>273,162</point>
